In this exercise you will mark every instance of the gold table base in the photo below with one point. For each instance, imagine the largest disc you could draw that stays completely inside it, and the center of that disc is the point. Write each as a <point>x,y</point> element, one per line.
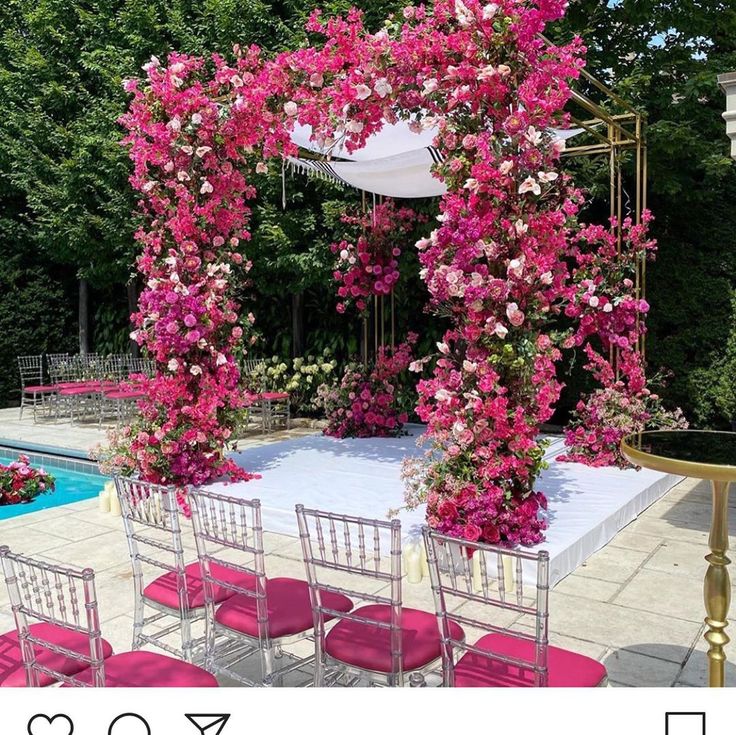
<point>717,586</point>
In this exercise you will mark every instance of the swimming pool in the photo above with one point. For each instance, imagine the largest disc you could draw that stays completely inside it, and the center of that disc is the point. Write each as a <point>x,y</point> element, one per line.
<point>75,481</point>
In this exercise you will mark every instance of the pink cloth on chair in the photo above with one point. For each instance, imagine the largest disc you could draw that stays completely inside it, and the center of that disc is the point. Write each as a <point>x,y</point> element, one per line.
<point>12,673</point>
<point>39,389</point>
<point>148,669</point>
<point>566,669</point>
<point>368,647</point>
<point>289,609</point>
<point>163,590</point>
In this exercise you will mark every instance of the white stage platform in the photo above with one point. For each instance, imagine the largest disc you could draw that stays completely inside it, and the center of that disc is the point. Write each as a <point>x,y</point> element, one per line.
<point>587,506</point>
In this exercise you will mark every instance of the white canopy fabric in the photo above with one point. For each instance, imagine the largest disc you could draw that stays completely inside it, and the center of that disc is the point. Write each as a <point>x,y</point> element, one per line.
<point>390,140</point>
<point>394,162</point>
<point>403,176</point>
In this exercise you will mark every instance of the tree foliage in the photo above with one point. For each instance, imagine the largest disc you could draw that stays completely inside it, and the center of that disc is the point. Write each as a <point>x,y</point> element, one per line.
<point>664,56</point>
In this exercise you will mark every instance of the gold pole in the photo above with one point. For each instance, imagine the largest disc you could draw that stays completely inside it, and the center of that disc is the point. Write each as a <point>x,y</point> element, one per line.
<point>717,586</point>
<point>365,316</point>
<point>375,325</point>
<point>393,319</point>
<point>612,354</point>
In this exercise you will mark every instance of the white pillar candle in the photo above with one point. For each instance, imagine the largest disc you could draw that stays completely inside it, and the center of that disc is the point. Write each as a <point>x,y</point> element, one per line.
<point>508,574</point>
<point>412,564</point>
<point>423,560</point>
<point>115,508</point>
<point>104,499</point>
<point>477,578</point>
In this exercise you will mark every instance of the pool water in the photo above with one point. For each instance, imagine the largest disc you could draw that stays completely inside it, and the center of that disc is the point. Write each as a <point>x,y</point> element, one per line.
<point>71,487</point>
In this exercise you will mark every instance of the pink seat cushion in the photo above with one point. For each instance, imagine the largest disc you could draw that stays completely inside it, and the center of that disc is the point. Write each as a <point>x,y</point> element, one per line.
<point>123,394</point>
<point>163,590</point>
<point>12,673</point>
<point>147,669</point>
<point>79,390</point>
<point>289,609</point>
<point>39,389</point>
<point>368,647</point>
<point>566,669</point>
<point>275,396</point>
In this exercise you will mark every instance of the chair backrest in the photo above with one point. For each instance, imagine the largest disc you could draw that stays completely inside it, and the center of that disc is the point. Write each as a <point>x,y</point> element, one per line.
<point>60,596</point>
<point>229,535</point>
<point>348,547</point>
<point>466,571</point>
<point>31,370</point>
<point>151,520</point>
<point>63,368</point>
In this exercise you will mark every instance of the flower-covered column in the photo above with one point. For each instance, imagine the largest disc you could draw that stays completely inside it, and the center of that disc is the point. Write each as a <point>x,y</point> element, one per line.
<point>194,201</point>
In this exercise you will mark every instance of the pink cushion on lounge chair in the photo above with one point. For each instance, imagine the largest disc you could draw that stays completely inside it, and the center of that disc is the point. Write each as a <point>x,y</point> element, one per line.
<point>566,669</point>
<point>274,396</point>
<point>289,609</point>
<point>40,389</point>
<point>12,673</point>
<point>163,590</point>
<point>148,669</point>
<point>368,647</point>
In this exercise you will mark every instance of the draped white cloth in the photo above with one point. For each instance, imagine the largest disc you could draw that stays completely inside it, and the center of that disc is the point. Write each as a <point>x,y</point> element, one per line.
<point>394,162</point>
<point>403,176</point>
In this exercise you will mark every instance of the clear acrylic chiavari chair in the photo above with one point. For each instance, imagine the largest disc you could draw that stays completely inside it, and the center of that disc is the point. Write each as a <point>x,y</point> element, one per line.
<point>151,517</point>
<point>483,588</point>
<point>65,639</point>
<point>33,392</point>
<point>380,641</point>
<point>265,615</point>
<point>66,645</point>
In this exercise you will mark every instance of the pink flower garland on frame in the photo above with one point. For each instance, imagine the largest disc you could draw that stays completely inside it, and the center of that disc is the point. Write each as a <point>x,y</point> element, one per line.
<point>495,266</point>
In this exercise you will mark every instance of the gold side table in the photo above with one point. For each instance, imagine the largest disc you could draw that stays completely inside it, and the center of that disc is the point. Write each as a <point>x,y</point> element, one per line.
<point>708,455</point>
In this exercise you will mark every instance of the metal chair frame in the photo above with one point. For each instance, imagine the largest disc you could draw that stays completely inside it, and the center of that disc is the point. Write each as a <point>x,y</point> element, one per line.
<point>223,523</point>
<point>31,374</point>
<point>362,559</point>
<point>154,508</point>
<point>451,573</point>
<point>61,596</point>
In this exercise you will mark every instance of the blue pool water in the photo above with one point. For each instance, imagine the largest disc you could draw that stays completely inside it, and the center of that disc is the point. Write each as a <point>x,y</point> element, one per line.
<point>71,487</point>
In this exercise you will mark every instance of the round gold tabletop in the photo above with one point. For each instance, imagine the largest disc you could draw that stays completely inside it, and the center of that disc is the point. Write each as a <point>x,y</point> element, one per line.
<point>710,455</point>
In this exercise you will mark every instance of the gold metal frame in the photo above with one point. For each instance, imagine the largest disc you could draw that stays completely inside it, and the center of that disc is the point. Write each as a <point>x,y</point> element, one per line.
<point>616,130</point>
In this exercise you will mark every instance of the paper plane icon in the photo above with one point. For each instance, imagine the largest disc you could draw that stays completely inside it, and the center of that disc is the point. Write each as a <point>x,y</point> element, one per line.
<point>209,724</point>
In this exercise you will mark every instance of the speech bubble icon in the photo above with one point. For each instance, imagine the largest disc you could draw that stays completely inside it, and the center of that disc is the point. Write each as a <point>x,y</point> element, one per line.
<point>129,724</point>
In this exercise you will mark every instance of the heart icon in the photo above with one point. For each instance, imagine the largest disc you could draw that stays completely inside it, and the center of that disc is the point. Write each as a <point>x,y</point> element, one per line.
<point>45,725</point>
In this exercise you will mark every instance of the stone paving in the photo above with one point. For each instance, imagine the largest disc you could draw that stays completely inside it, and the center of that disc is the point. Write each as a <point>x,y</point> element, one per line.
<point>636,604</point>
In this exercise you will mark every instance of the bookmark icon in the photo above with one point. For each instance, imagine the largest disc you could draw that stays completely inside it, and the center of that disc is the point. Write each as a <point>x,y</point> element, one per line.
<point>209,724</point>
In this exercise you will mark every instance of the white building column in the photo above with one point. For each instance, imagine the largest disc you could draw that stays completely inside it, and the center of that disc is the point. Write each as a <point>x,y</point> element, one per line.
<point>728,85</point>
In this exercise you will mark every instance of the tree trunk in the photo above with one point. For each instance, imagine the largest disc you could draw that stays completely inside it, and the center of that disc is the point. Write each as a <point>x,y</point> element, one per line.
<point>297,324</point>
<point>132,290</point>
<point>83,316</point>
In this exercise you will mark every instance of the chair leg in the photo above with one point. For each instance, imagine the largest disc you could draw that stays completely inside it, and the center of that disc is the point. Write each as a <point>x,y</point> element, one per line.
<point>138,615</point>
<point>186,638</point>
<point>268,665</point>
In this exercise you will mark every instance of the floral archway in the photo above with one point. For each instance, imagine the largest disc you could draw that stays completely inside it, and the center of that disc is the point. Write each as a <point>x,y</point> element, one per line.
<point>504,261</point>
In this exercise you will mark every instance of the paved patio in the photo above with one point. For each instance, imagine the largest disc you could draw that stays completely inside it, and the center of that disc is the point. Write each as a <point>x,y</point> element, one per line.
<point>636,605</point>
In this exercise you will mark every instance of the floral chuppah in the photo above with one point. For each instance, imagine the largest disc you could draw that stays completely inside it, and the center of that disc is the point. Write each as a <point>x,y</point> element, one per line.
<point>496,266</point>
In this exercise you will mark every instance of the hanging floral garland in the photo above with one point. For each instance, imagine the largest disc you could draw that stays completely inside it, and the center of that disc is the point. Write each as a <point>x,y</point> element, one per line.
<point>370,267</point>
